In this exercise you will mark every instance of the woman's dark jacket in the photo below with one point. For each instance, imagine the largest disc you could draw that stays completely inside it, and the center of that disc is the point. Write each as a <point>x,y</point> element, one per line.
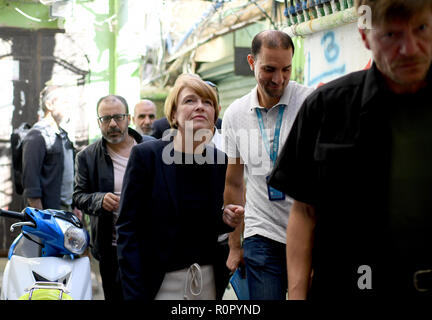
<point>149,209</point>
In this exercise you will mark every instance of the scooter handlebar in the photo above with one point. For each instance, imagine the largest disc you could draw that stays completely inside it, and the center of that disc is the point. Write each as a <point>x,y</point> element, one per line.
<point>12,214</point>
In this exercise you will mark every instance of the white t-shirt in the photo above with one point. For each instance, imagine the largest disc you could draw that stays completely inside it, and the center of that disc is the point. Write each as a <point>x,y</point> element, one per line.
<point>242,139</point>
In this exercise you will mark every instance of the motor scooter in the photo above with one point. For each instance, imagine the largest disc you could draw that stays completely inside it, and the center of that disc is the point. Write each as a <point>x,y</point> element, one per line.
<point>44,261</point>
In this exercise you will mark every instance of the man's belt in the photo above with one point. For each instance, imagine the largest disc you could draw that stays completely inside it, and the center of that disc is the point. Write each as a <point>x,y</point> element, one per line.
<point>423,280</point>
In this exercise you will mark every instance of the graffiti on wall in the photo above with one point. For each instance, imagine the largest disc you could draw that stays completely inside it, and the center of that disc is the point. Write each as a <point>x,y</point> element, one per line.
<point>334,53</point>
<point>331,53</point>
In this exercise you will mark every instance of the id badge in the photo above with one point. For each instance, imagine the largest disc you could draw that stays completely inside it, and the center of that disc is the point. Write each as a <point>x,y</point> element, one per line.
<point>274,194</point>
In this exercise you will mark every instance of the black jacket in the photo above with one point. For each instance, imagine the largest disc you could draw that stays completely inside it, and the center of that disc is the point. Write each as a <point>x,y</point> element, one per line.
<point>338,158</point>
<point>149,217</point>
<point>43,167</point>
<point>94,177</point>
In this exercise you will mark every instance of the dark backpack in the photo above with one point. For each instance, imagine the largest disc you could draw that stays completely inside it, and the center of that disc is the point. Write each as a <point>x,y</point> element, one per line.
<point>16,140</point>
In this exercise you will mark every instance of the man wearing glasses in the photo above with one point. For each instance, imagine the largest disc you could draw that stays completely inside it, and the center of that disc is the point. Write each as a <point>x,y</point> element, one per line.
<point>98,181</point>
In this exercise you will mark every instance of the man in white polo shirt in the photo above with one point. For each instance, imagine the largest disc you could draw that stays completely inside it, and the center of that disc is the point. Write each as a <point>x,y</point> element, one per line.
<point>253,128</point>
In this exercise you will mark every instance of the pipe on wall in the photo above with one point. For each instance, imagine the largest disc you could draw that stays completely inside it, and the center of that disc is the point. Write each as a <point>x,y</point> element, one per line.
<point>327,22</point>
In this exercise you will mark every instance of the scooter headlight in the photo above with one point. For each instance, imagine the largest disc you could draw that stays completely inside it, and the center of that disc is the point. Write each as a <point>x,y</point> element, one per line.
<point>75,240</point>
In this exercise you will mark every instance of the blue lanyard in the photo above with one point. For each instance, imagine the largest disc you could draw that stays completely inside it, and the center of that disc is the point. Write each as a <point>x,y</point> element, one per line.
<point>275,147</point>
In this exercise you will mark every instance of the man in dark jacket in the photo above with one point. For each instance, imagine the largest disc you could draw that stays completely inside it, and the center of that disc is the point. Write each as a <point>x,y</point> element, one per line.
<point>357,163</point>
<point>48,156</point>
<point>98,181</point>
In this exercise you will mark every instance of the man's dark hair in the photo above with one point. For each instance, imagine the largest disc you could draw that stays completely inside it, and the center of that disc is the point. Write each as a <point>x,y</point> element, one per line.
<point>272,39</point>
<point>112,97</point>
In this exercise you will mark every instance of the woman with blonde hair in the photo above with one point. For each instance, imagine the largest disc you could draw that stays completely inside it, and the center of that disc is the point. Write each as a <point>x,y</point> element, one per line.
<point>171,209</point>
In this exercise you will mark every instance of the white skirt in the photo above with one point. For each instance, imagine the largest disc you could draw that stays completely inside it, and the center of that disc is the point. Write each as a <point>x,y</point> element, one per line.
<point>193,283</point>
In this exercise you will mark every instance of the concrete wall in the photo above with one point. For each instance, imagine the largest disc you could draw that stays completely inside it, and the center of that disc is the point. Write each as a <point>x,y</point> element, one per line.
<point>332,53</point>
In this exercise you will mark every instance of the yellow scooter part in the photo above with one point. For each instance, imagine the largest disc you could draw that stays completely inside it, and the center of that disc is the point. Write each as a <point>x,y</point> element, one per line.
<point>46,294</point>
<point>46,291</point>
